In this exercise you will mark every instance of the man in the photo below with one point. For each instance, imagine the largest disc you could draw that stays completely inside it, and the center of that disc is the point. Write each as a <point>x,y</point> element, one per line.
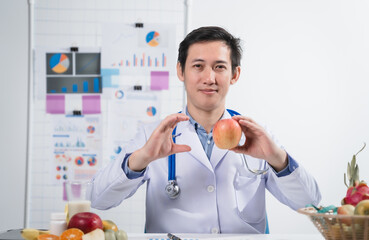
<point>217,194</point>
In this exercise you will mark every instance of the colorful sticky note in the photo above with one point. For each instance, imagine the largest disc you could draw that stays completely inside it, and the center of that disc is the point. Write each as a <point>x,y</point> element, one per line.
<point>91,104</point>
<point>55,104</point>
<point>159,80</point>
<point>108,77</point>
<point>65,198</point>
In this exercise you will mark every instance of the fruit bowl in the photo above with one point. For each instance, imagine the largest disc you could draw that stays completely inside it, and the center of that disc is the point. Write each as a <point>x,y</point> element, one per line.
<point>338,226</point>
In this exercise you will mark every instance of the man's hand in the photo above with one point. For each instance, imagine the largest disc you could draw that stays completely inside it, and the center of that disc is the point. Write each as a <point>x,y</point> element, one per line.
<point>160,144</point>
<point>259,144</point>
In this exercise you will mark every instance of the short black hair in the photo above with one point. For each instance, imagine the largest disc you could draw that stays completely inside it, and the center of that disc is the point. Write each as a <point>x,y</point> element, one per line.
<point>210,34</point>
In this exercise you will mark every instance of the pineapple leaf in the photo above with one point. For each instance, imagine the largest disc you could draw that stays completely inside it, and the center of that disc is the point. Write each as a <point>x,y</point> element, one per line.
<point>344,178</point>
<point>361,149</point>
<point>348,172</point>
<point>353,165</point>
<point>352,176</point>
<point>356,178</point>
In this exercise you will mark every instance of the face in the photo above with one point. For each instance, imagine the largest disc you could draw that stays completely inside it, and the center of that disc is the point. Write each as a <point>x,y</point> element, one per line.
<point>207,75</point>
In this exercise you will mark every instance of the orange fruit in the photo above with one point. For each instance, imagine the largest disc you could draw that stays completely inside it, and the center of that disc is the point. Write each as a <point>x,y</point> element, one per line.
<point>71,234</point>
<point>48,237</point>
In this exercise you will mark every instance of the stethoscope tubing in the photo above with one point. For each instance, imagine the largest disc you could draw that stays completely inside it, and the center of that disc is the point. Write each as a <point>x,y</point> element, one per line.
<point>172,161</point>
<point>172,168</point>
<point>172,188</point>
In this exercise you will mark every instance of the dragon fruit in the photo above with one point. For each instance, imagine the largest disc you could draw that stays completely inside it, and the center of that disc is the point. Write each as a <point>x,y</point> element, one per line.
<point>356,190</point>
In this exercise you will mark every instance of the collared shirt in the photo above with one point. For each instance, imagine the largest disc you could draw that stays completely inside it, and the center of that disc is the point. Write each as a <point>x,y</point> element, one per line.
<point>206,139</point>
<point>207,143</point>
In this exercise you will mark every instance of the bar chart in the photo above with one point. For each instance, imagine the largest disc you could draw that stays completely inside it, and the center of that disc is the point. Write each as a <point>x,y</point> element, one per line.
<point>73,73</point>
<point>74,85</point>
<point>142,60</point>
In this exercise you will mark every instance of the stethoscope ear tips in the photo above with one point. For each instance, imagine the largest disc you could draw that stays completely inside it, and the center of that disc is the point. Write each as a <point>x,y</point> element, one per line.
<point>172,189</point>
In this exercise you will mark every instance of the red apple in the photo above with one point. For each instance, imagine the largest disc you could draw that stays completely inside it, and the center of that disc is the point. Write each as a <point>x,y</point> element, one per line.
<point>346,209</point>
<point>85,221</point>
<point>227,133</point>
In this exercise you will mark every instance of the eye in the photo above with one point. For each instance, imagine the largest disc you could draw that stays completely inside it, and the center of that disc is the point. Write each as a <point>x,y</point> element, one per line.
<point>197,66</point>
<point>220,67</point>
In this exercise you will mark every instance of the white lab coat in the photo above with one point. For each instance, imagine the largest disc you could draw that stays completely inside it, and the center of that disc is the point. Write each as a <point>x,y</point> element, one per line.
<point>215,196</point>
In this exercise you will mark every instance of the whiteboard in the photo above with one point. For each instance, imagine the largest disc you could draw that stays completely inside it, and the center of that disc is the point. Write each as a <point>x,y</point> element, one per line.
<point>59,25</point>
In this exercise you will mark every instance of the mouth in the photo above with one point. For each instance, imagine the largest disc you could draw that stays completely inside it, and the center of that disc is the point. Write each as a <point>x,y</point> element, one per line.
<point>208,91</point>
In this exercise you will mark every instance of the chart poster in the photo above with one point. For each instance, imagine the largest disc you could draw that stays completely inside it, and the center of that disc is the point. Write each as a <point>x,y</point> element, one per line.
<point>77,147</point>
<point>74,72</point>
<point>127,111</point>
<point>139,50</point>
<point>59,63</point>
<point>63,71</point>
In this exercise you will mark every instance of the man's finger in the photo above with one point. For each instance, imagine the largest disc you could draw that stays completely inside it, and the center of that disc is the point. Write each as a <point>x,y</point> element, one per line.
<point>239,149</point>
<point>240,117</point>
<point>249,125</point>
<point>173,119</point>
<point>178,148</point>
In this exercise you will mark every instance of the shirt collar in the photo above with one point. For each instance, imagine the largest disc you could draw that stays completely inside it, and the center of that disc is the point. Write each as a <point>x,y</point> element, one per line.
<point>197,125</point>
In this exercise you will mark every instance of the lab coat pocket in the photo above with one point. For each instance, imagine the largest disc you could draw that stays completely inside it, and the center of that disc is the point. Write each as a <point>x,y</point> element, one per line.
<point>250,197</point>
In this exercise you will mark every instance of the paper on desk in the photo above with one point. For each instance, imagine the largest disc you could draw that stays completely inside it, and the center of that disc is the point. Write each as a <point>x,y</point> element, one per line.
<point>203,237</point>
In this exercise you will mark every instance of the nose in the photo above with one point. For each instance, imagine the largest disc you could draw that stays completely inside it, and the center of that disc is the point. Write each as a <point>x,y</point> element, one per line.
<point>208,76</point>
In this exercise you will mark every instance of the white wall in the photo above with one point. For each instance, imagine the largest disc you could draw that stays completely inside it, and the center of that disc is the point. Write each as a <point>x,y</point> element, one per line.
<point>305,71</point>
<point>13,107</point>
<point>305,75</point>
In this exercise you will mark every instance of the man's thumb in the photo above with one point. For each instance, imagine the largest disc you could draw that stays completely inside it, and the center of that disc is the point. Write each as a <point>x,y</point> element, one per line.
<point>178,148</point>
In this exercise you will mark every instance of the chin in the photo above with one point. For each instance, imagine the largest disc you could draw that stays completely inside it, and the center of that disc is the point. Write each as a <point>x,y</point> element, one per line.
<point>210,107</point>
<point>206,103</point>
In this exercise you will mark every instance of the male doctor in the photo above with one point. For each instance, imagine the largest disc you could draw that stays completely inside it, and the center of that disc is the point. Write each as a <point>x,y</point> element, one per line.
<point>216,192</point>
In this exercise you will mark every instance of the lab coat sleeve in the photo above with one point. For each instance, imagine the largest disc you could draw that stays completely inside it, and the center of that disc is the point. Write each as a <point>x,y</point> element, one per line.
<point>295,190</point>
<point>110,185</point>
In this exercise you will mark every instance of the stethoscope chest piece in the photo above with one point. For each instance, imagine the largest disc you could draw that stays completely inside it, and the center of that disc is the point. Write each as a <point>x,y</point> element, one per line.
<point>172,189</point>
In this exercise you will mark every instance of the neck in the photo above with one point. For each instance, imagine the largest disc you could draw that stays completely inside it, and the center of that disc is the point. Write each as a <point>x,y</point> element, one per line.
<point>207,119</point>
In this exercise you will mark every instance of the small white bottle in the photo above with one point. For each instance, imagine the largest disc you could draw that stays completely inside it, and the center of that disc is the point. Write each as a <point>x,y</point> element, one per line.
<point>58,223</point>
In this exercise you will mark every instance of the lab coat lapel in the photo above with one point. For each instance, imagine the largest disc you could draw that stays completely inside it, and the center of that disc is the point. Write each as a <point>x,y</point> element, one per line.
<point>218,154</point>
<point>190,138</point>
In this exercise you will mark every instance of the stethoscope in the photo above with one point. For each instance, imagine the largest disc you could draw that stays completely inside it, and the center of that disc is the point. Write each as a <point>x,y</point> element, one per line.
<point>172,189</point>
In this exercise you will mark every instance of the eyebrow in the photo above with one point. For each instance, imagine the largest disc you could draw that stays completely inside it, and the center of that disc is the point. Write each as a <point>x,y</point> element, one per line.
<point>202,60</point>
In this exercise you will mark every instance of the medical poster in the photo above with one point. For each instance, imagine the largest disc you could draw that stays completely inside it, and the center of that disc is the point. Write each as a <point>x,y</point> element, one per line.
<point>148,52</point>
<point>129,48</point>
<point>76,147</point>
<point>127,111</point>
<point>136,66</point>
<point>62,71</point>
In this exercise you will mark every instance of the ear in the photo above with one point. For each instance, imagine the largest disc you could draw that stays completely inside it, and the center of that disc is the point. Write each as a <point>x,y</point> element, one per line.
<point>236,75</point>
<point>180,72</point>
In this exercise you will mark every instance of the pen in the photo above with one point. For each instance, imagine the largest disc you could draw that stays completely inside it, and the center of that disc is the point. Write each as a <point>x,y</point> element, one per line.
<point>177,135</point>
<point>173,237</point>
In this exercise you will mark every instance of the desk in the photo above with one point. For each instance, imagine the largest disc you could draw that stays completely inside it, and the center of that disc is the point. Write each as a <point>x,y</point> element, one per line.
<point>228,236</point>
<point>15,235</point>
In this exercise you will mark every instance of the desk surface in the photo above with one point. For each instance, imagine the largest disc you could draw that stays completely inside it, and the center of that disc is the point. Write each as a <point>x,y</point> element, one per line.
<point>195,236</point>
<point>15,235</point>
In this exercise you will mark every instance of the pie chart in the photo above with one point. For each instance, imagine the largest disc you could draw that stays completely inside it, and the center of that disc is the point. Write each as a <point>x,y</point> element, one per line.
<point>79,161</point>
<point>119,94</point>
<point>59,63</point>
<point>151,111</point>
<point>152,39</point>
<point>91,129</point>
<point>91,161</point>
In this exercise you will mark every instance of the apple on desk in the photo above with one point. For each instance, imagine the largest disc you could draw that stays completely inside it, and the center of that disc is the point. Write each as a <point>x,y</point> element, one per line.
<point>86,222</point>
